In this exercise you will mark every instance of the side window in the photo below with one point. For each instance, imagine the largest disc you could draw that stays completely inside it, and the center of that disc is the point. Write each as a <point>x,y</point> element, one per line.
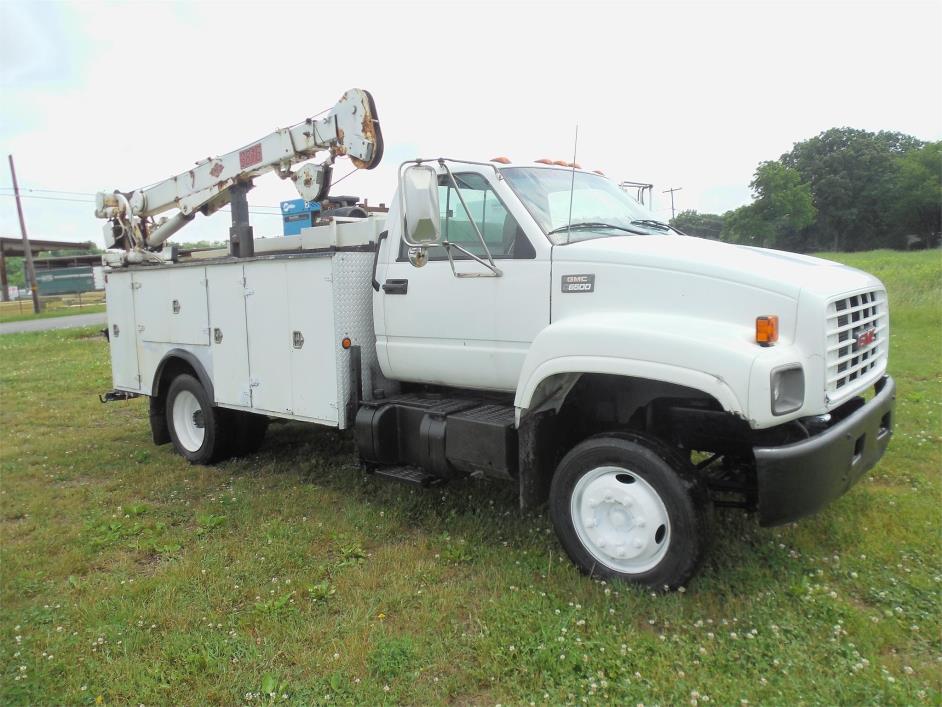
<point>504,237</point>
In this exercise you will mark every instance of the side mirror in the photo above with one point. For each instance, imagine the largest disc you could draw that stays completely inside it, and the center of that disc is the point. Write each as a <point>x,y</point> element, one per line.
<point>420,199</point>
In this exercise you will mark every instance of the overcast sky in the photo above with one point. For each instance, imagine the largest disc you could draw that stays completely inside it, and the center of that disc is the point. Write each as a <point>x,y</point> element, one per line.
<point>692,95</point>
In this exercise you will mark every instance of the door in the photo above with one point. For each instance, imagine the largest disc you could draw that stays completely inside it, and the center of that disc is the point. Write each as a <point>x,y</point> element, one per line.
<point>171,305</point>
<point>122,331</point>
<point>266,312</point>
<point>471,332</point>
<point>226,292</point>
<point>289,315</point>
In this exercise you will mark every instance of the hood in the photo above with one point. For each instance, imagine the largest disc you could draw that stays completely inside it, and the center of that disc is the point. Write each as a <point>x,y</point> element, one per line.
<point>773,270</point>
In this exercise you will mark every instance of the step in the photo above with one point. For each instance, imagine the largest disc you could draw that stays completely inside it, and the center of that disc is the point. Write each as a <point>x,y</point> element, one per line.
<point>409,475</point>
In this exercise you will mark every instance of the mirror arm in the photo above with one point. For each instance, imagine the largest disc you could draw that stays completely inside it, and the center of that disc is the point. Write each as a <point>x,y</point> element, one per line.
<point>497,272</point>
<point>487,250</point>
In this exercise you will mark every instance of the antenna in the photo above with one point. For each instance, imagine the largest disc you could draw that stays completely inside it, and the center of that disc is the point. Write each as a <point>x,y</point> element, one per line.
<point>671,192</point>
<point>572,183</point>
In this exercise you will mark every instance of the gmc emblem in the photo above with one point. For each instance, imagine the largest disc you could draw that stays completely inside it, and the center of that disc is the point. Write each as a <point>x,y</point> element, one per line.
<point>865,338</point>
<point>579,283</point>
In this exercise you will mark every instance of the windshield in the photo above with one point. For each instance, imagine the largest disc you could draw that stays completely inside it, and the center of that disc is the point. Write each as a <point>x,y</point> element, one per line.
<point>599,208</point>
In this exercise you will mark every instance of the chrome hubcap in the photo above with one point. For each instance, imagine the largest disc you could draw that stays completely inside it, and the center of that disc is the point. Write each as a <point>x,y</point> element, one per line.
<point>620,519</point>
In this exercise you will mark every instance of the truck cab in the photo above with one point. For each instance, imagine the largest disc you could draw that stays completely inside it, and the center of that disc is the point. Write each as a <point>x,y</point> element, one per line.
<point>548,288</point>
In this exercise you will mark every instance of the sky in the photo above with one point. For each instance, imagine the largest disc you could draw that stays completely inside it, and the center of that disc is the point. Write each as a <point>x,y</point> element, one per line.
<point>694,95</point>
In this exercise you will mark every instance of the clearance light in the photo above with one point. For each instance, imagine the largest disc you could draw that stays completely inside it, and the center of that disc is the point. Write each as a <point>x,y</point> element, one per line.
<point>561,163</point>
<point>346,343</point>
<point>501,160</point>
<point>767,330</point>
<point>598,172</point>
<point>544,161</point>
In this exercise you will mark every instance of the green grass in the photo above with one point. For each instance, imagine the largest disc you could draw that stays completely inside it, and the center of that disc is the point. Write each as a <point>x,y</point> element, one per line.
<point>13,314</point>
<point>129,576</point>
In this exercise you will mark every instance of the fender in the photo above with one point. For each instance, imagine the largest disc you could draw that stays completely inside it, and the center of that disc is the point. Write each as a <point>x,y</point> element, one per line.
<point>710,356</point>
<point>193,362</point>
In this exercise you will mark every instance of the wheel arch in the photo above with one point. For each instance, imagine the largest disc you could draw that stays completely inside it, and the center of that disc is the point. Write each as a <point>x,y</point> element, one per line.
<point>568,405</point>
<point>552,381</point>
<point>177,361</point>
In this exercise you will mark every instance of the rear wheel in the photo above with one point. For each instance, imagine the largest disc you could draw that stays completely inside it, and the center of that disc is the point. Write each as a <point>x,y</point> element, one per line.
<point>628,507</point>
<point>197,429</point>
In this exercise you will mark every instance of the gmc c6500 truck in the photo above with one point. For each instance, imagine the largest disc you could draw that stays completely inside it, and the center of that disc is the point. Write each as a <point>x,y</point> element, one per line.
<point>524,321</point>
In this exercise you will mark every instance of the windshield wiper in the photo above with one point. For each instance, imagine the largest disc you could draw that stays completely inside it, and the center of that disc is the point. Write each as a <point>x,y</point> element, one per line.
<point>593,224</point>
<point>655,224</point>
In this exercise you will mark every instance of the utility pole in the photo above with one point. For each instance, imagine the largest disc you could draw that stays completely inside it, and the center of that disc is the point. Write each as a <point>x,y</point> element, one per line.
<point>27,252</point>
<point>671,192</point>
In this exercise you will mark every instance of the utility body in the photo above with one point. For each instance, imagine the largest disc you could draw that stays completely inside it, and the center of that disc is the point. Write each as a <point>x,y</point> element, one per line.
<point>528,322</point>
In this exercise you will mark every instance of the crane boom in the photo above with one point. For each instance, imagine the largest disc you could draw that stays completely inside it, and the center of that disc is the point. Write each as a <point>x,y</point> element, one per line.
<point>350,128</point>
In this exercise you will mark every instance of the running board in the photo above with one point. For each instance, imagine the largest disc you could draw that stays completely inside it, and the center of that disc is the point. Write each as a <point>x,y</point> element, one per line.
<point>409,475</point>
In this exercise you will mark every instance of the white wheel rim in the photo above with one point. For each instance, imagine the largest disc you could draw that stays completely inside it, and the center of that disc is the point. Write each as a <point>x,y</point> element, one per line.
<point>620,519</point>
<point>188,421</point>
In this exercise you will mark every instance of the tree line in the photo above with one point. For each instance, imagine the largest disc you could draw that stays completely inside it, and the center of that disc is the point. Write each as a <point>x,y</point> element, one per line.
<point>842,190</point>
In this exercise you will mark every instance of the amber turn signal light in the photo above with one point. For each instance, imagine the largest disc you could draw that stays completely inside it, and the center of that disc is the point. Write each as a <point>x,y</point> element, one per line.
<point>346,343</point>
<point>767,330</point>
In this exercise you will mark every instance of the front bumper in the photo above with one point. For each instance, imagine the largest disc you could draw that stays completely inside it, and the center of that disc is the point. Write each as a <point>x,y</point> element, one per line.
<point>799,479</point>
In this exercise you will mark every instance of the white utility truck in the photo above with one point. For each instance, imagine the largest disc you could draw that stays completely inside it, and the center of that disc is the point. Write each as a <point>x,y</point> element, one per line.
<point>529,322</point>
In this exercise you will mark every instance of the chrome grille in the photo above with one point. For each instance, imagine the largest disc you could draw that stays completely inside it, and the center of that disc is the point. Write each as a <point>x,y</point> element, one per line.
<point>850,352</point>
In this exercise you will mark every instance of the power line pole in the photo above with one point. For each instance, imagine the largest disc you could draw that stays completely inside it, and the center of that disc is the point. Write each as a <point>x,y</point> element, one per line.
<point>671,192</point>
<point>27,251</point>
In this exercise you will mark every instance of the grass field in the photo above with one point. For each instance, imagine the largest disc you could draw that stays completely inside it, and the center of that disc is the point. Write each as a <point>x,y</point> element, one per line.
<point>53,306</point>
<point>129,576</point>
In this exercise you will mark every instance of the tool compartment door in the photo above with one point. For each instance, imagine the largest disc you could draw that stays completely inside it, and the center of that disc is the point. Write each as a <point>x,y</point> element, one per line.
<point>226,293</point>
<point>122,331</point>
<point>314,345</point>
<point>171,305</point>
<point>289,318</point>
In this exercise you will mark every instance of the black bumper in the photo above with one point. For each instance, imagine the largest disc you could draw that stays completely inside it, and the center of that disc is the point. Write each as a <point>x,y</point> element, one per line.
<point>799,479</point>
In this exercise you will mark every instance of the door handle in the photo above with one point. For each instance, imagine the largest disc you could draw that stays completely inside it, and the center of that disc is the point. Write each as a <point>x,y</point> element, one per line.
<point>379,242</point>
<point>396,287</point>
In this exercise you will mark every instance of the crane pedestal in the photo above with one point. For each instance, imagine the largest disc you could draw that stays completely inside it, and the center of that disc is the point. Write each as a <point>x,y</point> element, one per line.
<point>241,236</point>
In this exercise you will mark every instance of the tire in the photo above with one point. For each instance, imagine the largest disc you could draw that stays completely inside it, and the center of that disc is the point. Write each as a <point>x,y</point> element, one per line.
<point>628,507</point>
<point>198,430</point>
<point>248,431</point>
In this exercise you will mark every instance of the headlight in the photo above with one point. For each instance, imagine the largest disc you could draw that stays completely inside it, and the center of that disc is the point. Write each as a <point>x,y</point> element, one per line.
<point>788,388</point>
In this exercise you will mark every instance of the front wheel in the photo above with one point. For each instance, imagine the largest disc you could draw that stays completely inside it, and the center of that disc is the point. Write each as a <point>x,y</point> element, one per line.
<point>628,507</point>
<point>197,429</point>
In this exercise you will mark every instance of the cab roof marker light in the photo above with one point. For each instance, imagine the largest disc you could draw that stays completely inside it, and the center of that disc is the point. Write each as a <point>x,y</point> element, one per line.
<point>501,160</point>
<point>767,330</point>
<point>544,161</point>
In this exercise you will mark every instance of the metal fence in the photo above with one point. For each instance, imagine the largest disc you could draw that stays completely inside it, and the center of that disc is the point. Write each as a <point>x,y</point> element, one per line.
<point>77,303</point>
